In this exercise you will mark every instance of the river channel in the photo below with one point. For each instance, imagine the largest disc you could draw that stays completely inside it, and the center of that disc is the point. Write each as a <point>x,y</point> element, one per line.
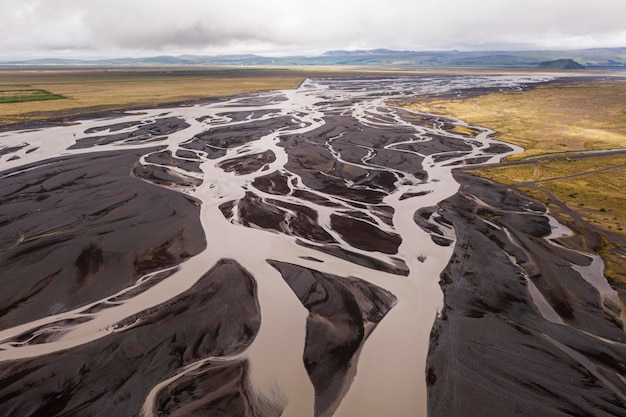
<point>320,203</point>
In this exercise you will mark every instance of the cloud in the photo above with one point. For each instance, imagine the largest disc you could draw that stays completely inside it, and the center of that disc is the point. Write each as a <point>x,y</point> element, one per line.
<point>208,26</point>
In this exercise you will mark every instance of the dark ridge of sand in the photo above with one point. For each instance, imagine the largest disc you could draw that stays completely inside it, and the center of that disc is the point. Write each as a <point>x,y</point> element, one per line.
<point>248,164</point>
<point>496,149</point>
<point>363,235</point>
<point>436,144</point>
<point>314,198</point>
<point>113,127</point>
<point>276,183</point>
<point>301,221</point>
<point>378,180</point>
<point>423,217</point>
<point>470,161</point>
<point>410,195</point>
<point>11,149</point>
<point>227,137</point>
<point>145,133</point>
<point>343,311</point>
<point>218,316</point>
<point>164,176</point>
<point>398,268</point>
<point>254,211</point>
<point>492,351</point>
<point>219,389</point>
<point>238,116</point>
<point>309,155</point>
<point>270,214</point>
<point>217,140</point>
<point>82,223</point>
<point>166,158</point>
<point>182,153</point>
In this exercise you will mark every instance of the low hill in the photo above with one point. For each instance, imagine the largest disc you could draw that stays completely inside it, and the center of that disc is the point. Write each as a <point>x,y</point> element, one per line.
<point>561,64</point>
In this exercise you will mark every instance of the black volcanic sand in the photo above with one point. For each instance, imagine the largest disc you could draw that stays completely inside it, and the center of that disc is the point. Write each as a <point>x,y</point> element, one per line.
<point>342,314</point>
<point>492,352</point>
<point>181,160</point>
<point>94,223</point>
<point>217,140</point>
<point>218,316</point>
<point>144,133</point>
<point>80,228</point>
<point>309,155</point>
<point>248,164</point>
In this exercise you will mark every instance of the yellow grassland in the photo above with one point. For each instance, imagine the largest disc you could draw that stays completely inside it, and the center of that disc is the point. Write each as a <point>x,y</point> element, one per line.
<point>553,118</point>
<point>555,124</point>
<point>100,90</point>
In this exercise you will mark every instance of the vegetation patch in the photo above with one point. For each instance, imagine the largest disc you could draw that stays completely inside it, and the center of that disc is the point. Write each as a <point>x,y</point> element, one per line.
<point>557,124</point>
<point>104,89</point>
<point>20,94</point>
<point>557,117</point>
<point>465,130</point>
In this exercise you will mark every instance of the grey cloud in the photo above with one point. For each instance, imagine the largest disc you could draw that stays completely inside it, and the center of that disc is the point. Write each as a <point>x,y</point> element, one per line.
<point>31,26</point>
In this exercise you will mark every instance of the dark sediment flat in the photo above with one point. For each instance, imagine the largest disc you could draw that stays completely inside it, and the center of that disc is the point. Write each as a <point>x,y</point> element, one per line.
<point>248,164</point>
<point>218,389</point>
<point>238,116</point>
<point>113,127</point>
<point>398,268</point>
<point>309,156</point>
<point>436,144</point>
<point>493,353</point>
<point>165,176</point>
<point>365,236</point>
<point>10,150</point>
<point>166,158</point>
<point>236,135</point>
<point>144,132</point>
<point>217,140</point>
<point>218,316</point>
<point>342,314</point>
<point>78,229</point>
<point>275,183</point>
<point>83,223</point>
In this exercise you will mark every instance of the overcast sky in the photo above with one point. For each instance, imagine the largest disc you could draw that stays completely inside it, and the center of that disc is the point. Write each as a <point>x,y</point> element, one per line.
<point>113,28</point>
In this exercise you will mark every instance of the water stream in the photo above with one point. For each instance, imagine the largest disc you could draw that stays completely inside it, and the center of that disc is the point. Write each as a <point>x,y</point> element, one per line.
<point>390,373</point>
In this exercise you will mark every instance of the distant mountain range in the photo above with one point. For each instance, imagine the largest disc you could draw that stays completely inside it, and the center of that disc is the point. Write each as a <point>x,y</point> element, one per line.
<point>590,58</point>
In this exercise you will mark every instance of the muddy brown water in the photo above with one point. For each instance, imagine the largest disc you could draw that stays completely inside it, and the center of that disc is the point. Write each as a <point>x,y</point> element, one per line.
<point>306,198</point>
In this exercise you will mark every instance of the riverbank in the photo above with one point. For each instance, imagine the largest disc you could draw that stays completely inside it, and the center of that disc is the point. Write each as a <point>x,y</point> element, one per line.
<point>558,124</point>
<point>526,332</point>
<point>90,90</point>
<point>321,206</point>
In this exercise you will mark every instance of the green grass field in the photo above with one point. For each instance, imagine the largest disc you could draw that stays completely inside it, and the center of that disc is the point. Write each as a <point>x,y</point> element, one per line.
<point>24,93</point>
